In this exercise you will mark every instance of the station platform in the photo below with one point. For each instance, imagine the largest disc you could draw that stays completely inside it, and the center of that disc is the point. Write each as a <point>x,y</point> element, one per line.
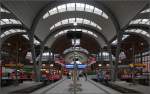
<point>25,84</point>
<point>87,87</point>
<point>63,86</point>
<point>137,87</point>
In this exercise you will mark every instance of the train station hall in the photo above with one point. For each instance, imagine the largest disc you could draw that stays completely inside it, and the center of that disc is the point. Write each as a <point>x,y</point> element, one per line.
<point>74,47</point>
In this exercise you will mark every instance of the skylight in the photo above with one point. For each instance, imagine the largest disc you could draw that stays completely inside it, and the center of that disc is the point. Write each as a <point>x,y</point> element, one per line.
<point>11,31</point>
<point>141,21</point>
<point>83,30</point>
<point>9,21</point>
<point>76,49</point>
<point>139,31</point>
<point>75,20</point>
<point>146,10</point>
<point>4,10</point>
<point>75,42</point>
<point>75,7</point>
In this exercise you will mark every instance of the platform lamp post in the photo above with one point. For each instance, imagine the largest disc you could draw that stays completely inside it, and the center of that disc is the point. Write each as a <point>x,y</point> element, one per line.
<point>75,38</point>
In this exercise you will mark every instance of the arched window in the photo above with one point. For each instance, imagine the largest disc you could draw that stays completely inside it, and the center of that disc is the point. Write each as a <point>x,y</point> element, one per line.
<point>9,21</point>
<point>75,7</point>
<point>11,31</point>
<point>139,31</point>
<point>83,30</point>
<point>141,21</point>
<point>75,20</point>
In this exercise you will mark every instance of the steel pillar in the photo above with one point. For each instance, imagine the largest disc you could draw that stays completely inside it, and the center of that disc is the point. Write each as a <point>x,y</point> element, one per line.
<point>118,49</point>
<point>40,63</point>
<point>31,37</point>
<point>111,63</point>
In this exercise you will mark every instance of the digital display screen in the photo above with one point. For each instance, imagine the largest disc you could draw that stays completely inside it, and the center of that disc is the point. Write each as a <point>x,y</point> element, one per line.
<point>71,66</point>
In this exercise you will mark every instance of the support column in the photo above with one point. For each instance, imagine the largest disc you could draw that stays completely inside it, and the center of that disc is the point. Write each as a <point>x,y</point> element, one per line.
<point>31,37</point>
<point>40,63</point>
<point>0,62</point>
<point>101,52</point>
<point>49,59</point>
<point>111,63</point>
<point>118,49</point>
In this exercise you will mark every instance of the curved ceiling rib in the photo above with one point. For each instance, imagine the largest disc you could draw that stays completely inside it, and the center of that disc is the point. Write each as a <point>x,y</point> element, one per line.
<point>146,10</point>
<point>75,21</point>
<point>141,21</point>
<point>4,10</point>
<point>9,21</point>
<point>11,31</point>
<point>52,40</point>
<point>138,31</point>
<point>74,30</point>
<point>75,7</point>
<point>11,26</point>
<point>101,39</point>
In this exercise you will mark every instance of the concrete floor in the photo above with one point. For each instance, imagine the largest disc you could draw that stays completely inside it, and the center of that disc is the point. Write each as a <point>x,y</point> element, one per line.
<point>25,84</point>
<point>63,88</point>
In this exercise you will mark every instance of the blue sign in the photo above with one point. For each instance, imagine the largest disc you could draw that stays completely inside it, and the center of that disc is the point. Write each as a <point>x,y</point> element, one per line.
<point>79,66</point>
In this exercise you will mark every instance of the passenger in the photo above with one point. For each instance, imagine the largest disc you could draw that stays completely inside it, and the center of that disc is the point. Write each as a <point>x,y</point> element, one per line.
<point>68,76</point>
<point>85,75</point>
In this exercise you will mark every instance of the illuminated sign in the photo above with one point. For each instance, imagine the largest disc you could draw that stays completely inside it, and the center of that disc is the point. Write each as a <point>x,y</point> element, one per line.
<point>79,66</point>
<point>13,65</point>
<point>137,65</point>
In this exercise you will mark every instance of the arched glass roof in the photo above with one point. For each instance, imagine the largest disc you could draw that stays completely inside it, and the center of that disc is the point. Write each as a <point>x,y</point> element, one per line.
<point>139,31</point>
<point>76,49</point>
<point>75,20</point>
<point>4,10</point>
<point>141,21</point>
<point>146,10</point>
<point>75,7</point>
<point>9,21</point>
<point>83,30</point>
<point>11,31</point>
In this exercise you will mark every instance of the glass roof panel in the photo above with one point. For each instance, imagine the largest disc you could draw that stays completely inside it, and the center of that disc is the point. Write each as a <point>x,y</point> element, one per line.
<point>4,10</point>
<point>97,11</point>
<point>86,21</point>
<point>76,20</point>
<point>89,8</point>
<point>71,7</point>
<point>65,21</point>
<point>62,8</point>
<point>9,21</point>
<point>11,31</point>
<point>83,30</point>
<point>146,10</point>
<point>58,24</point>
<point>141,21</point>
<point>75,7</point>
<point>71,20</point>
<point>80,7</point>
<point>53,11</point>
<point>79,20</point>
<point>140,31</point>
<point>46,15</point>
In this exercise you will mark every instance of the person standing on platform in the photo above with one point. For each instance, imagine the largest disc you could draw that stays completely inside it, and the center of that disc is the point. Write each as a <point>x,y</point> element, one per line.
<point>85,75</point>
